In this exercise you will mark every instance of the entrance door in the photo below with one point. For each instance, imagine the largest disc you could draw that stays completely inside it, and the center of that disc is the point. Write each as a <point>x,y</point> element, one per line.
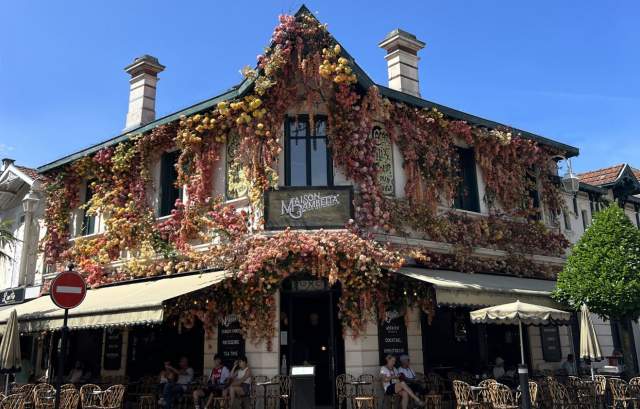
<point>314,337</point>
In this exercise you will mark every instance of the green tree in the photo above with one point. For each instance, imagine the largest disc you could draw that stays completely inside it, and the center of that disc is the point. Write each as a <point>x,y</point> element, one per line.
<point>7,240</point>
<point>603,271</point>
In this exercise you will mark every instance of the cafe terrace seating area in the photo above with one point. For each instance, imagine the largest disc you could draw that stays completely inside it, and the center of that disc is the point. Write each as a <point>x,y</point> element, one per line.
<point>455,391</point>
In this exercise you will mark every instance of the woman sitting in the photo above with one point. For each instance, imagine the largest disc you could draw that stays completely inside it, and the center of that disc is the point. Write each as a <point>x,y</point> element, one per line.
<point>240,381</point>
<point>394,386</point>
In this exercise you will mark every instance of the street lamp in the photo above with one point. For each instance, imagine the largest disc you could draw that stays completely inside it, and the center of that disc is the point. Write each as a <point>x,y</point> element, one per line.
<point>570,181</point>
<point>29,202</point>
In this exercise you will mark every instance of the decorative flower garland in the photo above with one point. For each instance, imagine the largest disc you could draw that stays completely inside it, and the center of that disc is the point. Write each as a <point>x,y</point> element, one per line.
<point>303,67</point>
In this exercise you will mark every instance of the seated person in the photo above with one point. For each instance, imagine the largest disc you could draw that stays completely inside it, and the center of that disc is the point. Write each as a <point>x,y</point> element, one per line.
<point>569,366</point>
<point>215,384</point>
<point>177,381</point>
<point>392,384</point>
<point>408,375</point>
<point>240,381</point>
<point>77,374</point>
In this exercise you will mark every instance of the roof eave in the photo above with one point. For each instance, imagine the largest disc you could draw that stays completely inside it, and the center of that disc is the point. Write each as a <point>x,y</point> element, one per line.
<point>569,150</point>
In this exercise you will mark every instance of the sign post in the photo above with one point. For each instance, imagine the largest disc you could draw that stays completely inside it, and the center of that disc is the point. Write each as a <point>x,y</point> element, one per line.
<point>68,290</point>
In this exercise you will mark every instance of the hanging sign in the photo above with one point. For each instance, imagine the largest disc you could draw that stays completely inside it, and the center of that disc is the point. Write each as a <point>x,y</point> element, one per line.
<point>230,340</point>
<point>112,349</point>
<point>392,335</point>
<point>308,207</point>
<point>551,348</point>
<point>12,296</point>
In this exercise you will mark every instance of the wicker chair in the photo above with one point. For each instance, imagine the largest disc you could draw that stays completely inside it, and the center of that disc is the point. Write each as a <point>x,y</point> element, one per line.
<point>502,397</point>
<point>256,393</point>
<point>436,390</point>
<point>621,394</point>
<point>464,397</point>
<point>27,393</point>
<point>345,391</point>
<point>14,401</point>
<point>484,396</point>
<point>67,386</point>
<point>69,398</point>
<point>561,398</point>
<point>89,399</point>
<point>113,397</point>
<point>533,394</point>
<point>44,396</point>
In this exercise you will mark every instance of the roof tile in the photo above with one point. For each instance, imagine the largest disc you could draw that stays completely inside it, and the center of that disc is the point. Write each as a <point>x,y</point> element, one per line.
<point>602,176</point>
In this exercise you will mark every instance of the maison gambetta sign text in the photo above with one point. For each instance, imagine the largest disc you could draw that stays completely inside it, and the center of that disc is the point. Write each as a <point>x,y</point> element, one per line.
<point>313,207</point>
<point>392,335</point>
<point>230,340</point>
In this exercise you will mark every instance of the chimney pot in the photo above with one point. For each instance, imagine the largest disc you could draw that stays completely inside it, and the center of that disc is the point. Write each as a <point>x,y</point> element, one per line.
<point>6,162</point>
<point>402,61</point>
<point>142,94</point>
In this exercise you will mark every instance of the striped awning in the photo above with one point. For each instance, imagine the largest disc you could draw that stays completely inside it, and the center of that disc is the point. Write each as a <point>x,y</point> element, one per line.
<point>121,304</point>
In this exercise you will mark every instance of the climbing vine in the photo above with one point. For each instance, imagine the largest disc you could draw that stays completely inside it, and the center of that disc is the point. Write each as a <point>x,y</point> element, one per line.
<point>303,70</point>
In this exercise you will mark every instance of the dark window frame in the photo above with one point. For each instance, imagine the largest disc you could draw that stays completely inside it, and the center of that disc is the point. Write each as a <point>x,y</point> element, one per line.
<point>309,139</point>
<point>169,192</point>
<point>88,226</point>
<point>467,197</point>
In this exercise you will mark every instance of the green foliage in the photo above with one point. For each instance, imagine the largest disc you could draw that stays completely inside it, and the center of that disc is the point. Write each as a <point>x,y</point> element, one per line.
<point>603,270</point>
<point>7,240</point>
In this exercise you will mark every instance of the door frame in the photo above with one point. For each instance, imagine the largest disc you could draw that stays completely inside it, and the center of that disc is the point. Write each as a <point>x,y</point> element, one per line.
<point>330,293</point>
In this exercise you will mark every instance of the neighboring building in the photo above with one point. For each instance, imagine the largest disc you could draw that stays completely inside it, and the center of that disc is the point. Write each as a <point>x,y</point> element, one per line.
<point>134,214</point>
<point>21,209</point>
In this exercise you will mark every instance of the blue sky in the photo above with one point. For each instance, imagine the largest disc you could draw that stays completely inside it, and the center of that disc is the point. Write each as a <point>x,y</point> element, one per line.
<point>568,70</point>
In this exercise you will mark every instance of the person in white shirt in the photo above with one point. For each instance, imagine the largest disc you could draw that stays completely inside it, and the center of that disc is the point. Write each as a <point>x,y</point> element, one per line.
<point>498,369</point>
<point>408,375</point>
<point>394,386</point>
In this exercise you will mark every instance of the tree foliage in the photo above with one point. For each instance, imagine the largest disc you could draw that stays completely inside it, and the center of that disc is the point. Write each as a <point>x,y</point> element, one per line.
<point>603,270</point>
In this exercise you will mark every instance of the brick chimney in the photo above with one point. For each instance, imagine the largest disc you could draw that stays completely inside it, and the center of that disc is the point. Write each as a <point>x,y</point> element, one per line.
<point>402,61</point>
<point>142,94</point>
<point>6,162</point>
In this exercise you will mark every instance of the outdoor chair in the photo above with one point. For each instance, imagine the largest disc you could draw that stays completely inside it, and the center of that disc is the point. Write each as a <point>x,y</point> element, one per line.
<point>90,396</point>
<point>69,398</point>
<point>344,390</point>
<point>561,398</point>
<point>256,393</point>
<point>44,396</point>
<point>112,397</point>
<point>601,389</point>
<point>27,393</point>
<point>14,401</point>
<point>502,397</point>
<point>463,395</point>
<point>435,389</point>
<point>484,398</point>
<point>621,394</point>
<point>533,394</point>
<point>67,386</point>
<point>281,392</point>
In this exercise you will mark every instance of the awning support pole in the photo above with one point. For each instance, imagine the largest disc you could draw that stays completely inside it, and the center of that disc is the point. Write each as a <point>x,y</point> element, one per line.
<point>523,374</point>
<point>521,343</point>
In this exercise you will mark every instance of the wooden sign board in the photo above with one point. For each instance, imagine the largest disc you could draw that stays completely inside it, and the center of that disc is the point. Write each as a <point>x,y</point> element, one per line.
<point>392,336</point>
<point>308,207</point>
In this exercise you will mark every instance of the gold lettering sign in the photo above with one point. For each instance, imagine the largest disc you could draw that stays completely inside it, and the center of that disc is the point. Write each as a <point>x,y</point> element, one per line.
<point>237,185</point>
<point>308,208</point>
<point>384,160</point>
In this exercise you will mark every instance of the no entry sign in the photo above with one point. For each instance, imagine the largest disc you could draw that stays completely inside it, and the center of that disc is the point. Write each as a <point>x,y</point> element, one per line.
<point>68,290</point>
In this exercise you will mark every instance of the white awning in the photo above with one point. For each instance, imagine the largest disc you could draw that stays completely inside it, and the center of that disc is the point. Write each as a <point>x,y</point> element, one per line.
<point>456,288</point>
<point>115,305</point>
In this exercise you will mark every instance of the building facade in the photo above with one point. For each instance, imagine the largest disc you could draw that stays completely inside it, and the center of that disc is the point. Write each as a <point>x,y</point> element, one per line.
<point>308,216</point>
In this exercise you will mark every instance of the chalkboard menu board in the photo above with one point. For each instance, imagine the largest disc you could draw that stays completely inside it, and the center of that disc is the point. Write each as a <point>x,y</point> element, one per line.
<point>392,335</point>
<point>551,348</point>
<point>230,340</point>
<point>112,349</point>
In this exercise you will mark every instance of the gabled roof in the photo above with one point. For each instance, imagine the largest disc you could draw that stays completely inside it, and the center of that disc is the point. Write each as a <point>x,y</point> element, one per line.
<point>603,176</point>
<point>363,80</point>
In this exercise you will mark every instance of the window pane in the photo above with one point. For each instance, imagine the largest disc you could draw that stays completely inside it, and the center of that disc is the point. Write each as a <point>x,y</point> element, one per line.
<point>318,162</point>
<point>321,127</point>
<point>298,128</point>
<point>298,162</point>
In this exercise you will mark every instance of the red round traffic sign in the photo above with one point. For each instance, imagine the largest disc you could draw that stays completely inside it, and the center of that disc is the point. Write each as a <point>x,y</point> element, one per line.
<point>68,289</point>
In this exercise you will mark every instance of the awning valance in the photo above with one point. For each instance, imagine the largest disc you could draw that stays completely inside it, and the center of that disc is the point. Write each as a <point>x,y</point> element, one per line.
<point>116,305</point>
<point>456,288</point>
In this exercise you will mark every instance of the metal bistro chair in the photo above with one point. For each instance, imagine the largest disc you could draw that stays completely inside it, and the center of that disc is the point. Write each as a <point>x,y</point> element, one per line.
<point>464,397</point>
<point>435,390</point>
<point>344,390</point>
<point>256,393</point>
<point>90,396</point>
<point>621,394</point>
<point>365,396</point>
<point>112,397</point>
<point>14,401</point>
<point>561,398</point>
<point>69,398</point>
